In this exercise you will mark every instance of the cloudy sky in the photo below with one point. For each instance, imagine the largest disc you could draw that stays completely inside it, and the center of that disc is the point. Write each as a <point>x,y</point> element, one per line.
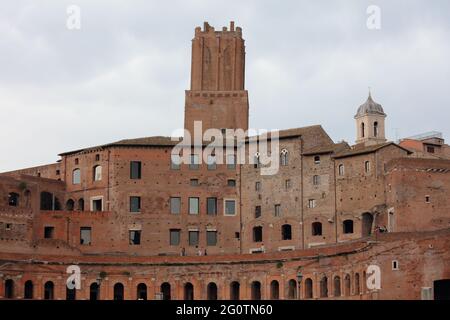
<point>123,74</point>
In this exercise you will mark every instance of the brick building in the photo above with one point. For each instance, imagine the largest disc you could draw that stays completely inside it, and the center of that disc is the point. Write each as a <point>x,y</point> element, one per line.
<point>141,225</point>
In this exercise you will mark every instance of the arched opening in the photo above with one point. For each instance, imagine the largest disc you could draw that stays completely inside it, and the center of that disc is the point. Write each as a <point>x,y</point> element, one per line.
<point>234,290</point>
<point>13,199</point>
<point>284,160</point>
<point>94,291</point>
<point>337,286</point>
<point>256,290</point>
<point>70,205</point>
<point>367,221</point>
<point>81,204</point>
<point>142,291</point>
<point>97,173</point>
<point>341,170</point>
<point>57,204</point>
<point>188,291</point>
<point>46,201</point>
<point>76,176</point>
<point>347,285</point>
<point>28,291</point>
<point>364,283</point>
<point>316,228</point>
<point>211,291</point>
<point>257,234</point>
<point>442,289</point>
<point>286,232</point>
<point>9,289</point>
<point>363,129</point>
<point>347,226</point>
<point>165,291</point>
<point>324,287</point>
<point>49,290</point>
<point>118,291</point>
<point>71,294</point>
<point>292,289</point>
<point>308,288</point>
<point>357,287</point>
<point>375,129</point>
<point>274,290</point>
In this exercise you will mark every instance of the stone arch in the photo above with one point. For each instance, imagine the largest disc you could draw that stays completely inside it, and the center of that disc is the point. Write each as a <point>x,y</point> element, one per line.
<point>81,204</point>
<point>49,290</point>
<point>118,291</point>
<point>357,284</point>
<point>308,288</point>
<point>188,291</point>
<point>337,286</point>
<point>234,290</point>
<point>367,222</point>
<point>28,290</point>
<point>9,289</point>
<point>324,287</point>
<point>70,205</point>
<point>347,285</point>
<point>292,289</point>
<point>166,291</point>
<point>94,291</point>
<point>141,293</point>
<point>256,290</point>
<point>211,291</point>
<point>274,290</point>
<point>46,201</point>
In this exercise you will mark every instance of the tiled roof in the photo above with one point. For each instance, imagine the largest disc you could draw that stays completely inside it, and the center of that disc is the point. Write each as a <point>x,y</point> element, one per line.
<point>361,149</point>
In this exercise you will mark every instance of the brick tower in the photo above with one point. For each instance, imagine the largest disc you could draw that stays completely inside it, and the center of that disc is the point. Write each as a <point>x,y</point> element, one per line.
<point>217,96</point>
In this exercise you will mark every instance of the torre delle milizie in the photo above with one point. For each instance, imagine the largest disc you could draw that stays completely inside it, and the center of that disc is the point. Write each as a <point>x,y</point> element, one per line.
<point>141,226</point>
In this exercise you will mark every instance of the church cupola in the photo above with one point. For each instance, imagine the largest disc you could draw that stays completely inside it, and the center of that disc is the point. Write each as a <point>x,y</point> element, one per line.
<point>370,123</point>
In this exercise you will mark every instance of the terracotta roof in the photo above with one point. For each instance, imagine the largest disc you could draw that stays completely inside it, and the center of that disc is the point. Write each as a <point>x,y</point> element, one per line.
<point>361,149</point>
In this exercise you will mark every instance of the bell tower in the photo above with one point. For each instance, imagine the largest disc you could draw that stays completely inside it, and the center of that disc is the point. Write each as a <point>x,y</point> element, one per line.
<point>370,123</point>
<point>217,96</point>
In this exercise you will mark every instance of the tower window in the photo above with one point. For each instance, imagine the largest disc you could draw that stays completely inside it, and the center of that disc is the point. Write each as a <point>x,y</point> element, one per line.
<point>375,129</point>
<point>341,169</point>
<point>317,159</point>
<point>367,166</point>
<point>284,157</point>
<point>363,133</point>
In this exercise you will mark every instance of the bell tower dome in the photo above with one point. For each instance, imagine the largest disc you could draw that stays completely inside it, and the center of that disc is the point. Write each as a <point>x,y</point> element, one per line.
<point>370,118</point>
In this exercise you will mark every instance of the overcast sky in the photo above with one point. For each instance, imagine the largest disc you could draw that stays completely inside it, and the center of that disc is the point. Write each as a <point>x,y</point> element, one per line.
<point>123,74</point>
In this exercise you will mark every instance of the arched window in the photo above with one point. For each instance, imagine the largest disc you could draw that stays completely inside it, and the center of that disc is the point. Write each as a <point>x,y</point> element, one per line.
<point>357,286</point>
<point>57,205</point>
<point>70,205</point>
<point>71,294</point>
<point>211,291</point>
<point>166,291</point>
<point>94,291</point>
<point>28,290</point>
<point>341,170</point>
<point>347,285</point>
<point>324,287</point>
<point>9,289</point>
<point>284,157</point>
<point>49,289</point>
<point>274,290</point>
<point>367,166</point>
<point>316,229</point>
<point>46,201</point>
<point>188,291</point>
<point>337,286</point>
<point>97,171</point>
<point>142,291</point>
<point>81,204</point>
<point>234,290</point>
<point>316,159</point>
<point>375,129</point>
<point>292,289</point>
<point>256,290</point>
<point>348,226</point>
<point>257,234</point>
<point>286,232</point>
<point>76,176</point>
<point>118,291</point>
<point>308,288</point>
<point>13,199</point>
<point>363,133</point>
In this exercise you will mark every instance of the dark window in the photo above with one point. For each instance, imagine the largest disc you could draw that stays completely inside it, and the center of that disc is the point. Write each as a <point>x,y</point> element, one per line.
<point>97,205</point>
<point>287,184</point>
<point>286,232</point>
<point>81,204</point>
<point>232,183</point>
<point>175,205</point>
<point>257,211</point>
<point>211,291</point>
<point>193,238</point>
<point>49,232</point>
<point>29,290</point>
<point>77,161</point>
<point>348,226</point>
<point>194,182</point>
<point>70,205</point>
<point>142,291</point>
<point>135,169</point>
<point>211,238</point>
<point>85,235</point>
<point>234,290</point>
<point>135,237</point>
<point>175,237</point>
<point>49,288</point>
<point>430,149</point>
<point>13,199</point>
<point>317,229</point>
<point>427,199</point>
<point>9,289</point>
<point>308,289</point>
<point>363,133</point>
<point>257,186</point>
<point>94,291</point>
<point>118,291</point>
<point>58,172</point>
<point>256,290</point>
<point>316,159</point>
<point>375,129</point>
<point>257,234</point>
<point>97,157</point>
<point>211,208</point>
<point>135,204</point>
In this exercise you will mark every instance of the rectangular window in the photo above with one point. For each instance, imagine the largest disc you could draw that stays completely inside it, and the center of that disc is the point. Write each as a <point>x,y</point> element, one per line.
<point>212,162</point>
<point>194,182</point>
<point>257,186</point>
<point>430,149</point>
<point>257,211</point>
<point>194,205</point>
<point>211,238</point>
<point>230,207</point>
<point>85,235</point>
<point>97,205</point>
<point>316,180</point>
<point>135,237</point>
<point>287,184</point>
<point>175,237</point>
<point>277,211</point>
<point>175,205</point>
<point>211,206</point>
<point>8,226</point>
<point>311,203</point>
<point>194,162</point>
<point>135,204</point>
<point>135,170</point>
<point>231,183</point>
<point>193,238</point>
<point>231,161</point>
<point>49,232</point>
<point>175,162</point>
<point>97,157</point>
